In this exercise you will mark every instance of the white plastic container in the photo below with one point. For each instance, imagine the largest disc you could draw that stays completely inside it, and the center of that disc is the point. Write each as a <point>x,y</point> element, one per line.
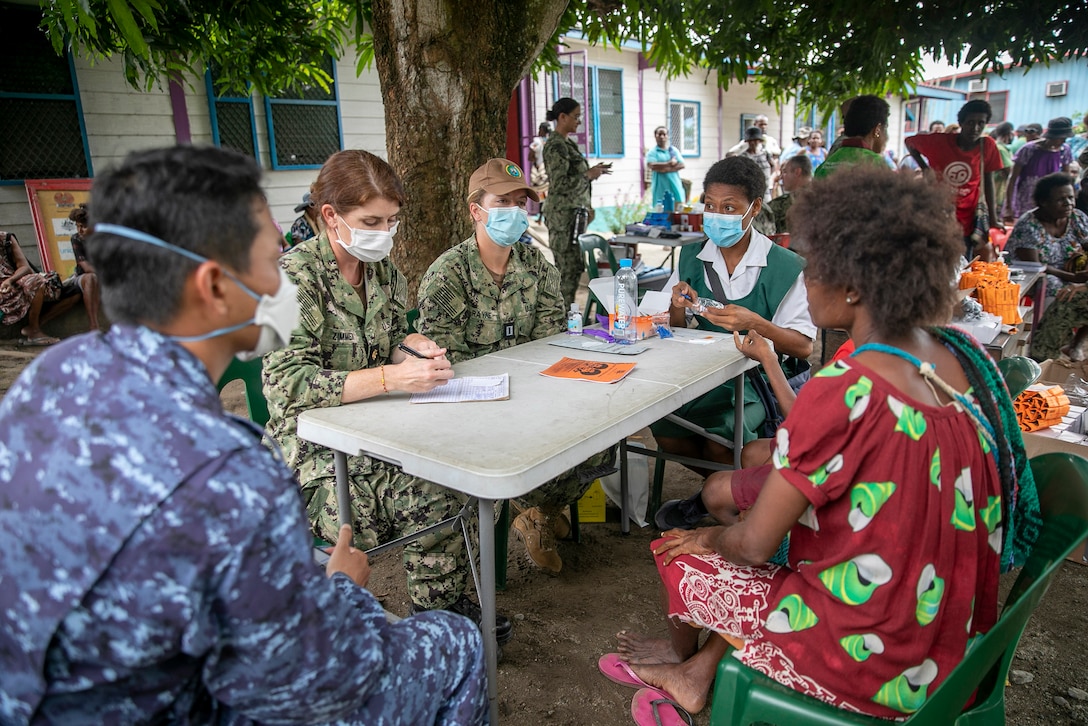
<point>574,320</point>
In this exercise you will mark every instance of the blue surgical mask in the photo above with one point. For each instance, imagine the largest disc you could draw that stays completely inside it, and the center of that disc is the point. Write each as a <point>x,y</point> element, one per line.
<point>725,230</point>
<point>277,315</point>
<point>506,225</point>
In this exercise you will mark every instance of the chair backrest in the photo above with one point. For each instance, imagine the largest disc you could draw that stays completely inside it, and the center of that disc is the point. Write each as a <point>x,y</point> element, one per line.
<point>249,372</point>
<point>590,245</point>
<point>1062,482</point>
<point>743,696</point>
<point>1019,372</point>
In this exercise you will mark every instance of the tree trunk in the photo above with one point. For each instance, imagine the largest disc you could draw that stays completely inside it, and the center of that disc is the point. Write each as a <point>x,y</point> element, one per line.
<point>447,70</point>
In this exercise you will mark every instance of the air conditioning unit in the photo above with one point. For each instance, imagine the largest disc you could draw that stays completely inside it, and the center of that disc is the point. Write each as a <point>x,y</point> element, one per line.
<point>977,86</point>
<point>1057,88</point>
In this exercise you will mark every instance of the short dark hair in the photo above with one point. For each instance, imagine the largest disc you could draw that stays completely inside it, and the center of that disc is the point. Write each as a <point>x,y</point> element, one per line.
<point>975,106</point>
<point>865,114</point>
<point>1003,129</point>
<point>79,215</point>
<point>802,162</point>
<point>738,171</point>
<point>1043,188</point>
<point>563,105</point>
<point>934,123</point>
<point>198,198</point>
<point>901,257</point>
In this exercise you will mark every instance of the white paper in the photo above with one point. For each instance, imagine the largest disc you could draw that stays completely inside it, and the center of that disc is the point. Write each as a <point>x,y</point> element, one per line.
<point>655,301</point>
<point>605,290</point>
<point>469,388</point>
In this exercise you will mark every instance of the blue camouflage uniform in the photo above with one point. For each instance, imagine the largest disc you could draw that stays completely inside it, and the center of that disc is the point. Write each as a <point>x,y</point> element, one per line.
<point>157,565</point>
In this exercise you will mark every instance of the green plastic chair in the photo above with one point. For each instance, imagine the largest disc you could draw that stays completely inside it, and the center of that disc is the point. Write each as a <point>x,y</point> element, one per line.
<point>249,372</point>
<point>743,696</point>
<point>1019,372</point>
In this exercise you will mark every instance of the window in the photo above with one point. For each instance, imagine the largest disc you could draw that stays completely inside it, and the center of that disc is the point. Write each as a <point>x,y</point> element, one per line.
<point>684,127</point>
<point>233,123</point>
<point>304,126</point>
<point>999,102</point>
<point>910,116</point>
<point>41,120</point>
<point>602,112</point>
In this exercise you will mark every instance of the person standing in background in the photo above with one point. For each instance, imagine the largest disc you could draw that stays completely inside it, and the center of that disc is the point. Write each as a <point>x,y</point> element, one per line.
<point>958,159</point>
<point>1034,161</point>
<point>570,180</point>
<point>1002,136</point>
<point>665,162</point>
<point>758,153</point>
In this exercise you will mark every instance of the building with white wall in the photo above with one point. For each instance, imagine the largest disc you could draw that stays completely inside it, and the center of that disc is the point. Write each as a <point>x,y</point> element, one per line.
<point>65,117</point>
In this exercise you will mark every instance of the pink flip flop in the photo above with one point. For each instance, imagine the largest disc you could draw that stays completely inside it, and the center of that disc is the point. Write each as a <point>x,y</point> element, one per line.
<point>617,671</point>
<point>653,707</point>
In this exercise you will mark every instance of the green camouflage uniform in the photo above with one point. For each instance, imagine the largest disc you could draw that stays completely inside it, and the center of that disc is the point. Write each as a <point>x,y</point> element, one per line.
<point>779,206</point>
<point>337,334</point>
<point>463,310</point>
<point>568,189</point>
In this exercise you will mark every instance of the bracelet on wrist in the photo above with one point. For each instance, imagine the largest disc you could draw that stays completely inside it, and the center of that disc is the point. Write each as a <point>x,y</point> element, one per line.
<point>384,389</point>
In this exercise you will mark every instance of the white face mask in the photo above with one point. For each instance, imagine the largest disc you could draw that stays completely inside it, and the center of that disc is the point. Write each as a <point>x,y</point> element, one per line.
<point>277,315</point>
<point>368,245</point>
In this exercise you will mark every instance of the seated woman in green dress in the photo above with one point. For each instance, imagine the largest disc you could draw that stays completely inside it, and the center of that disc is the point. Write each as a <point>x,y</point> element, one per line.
<point>761,287</point>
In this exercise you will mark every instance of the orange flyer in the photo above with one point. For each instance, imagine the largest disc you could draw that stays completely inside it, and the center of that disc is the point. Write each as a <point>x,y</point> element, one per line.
<point>588,370</point>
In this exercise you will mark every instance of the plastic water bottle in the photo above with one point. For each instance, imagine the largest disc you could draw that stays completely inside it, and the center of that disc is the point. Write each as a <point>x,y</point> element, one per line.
<point>574,320</point>
<point>668,203</point>
<point>626,300</point>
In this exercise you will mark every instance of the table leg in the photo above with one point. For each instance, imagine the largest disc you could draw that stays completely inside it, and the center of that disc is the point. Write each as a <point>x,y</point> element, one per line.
<point>343,494</point>
<point>486,587</point>
<point>625,523</point>
<point>738,419</point>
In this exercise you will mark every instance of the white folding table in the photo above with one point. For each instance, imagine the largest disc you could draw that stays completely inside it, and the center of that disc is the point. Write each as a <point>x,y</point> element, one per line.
<point>503,449</point>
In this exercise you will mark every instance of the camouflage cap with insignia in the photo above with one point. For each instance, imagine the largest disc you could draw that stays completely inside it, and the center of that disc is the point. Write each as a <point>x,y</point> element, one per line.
<point>500,176</point>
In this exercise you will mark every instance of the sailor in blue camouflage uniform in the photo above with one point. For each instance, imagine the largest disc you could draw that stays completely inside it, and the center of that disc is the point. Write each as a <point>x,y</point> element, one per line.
<point>353,305</point>
<point>490,293</point>
<point>157,564</point>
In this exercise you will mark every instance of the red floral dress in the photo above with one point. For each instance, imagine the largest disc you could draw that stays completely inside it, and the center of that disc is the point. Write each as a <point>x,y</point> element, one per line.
<point>893,569</point>
<point>15,303</point>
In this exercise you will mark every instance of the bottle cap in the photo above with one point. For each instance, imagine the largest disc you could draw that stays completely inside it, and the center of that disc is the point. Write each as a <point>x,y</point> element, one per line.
<point>574,307</point>
<point>625,262</point>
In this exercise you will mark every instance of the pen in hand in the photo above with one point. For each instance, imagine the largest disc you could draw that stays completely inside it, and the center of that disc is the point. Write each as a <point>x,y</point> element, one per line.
<point>413,353</point>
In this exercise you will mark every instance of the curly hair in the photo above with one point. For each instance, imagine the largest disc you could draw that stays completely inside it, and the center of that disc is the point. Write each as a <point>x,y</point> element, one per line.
<point>738,171</point>
<point>79,215</point>
<point>865,114</point>
<point>1041,194</point>
<point>895,241</point>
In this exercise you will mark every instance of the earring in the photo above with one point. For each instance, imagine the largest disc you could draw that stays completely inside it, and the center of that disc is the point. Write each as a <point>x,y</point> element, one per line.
<point>849,300</point>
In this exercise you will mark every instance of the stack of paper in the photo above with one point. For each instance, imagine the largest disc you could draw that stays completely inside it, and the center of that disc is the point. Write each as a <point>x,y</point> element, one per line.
<point>469,388</point>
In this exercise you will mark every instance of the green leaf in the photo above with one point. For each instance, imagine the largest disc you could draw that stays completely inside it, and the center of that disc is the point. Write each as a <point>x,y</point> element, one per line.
<point>129,30</point>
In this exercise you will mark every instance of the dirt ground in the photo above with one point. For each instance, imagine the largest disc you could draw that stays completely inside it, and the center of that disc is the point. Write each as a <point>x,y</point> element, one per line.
<point>562,624</point>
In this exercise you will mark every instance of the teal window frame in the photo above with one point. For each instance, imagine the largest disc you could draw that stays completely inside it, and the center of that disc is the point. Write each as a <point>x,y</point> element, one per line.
<point>213,113</point>
<point>74,98</point>
<point>270,102</point>
<point>593,98</point>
